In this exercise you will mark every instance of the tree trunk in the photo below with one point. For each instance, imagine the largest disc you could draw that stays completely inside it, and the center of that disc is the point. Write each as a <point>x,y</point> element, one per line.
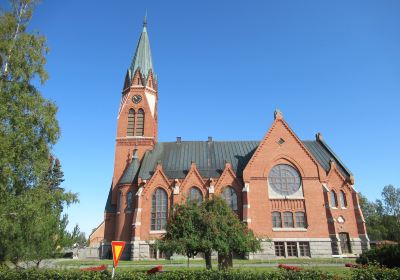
<point>207,256</point>
<point>224,261</point>
<point>188,259</point>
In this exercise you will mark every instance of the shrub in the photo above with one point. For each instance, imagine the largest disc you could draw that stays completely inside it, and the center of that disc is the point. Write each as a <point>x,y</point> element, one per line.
<point>388,256</point>
<point>369,273</point>
<point>375,273</point>
<point>47,274</point>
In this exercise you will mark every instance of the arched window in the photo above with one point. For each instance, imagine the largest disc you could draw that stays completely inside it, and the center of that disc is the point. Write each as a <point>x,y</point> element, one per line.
<point>129,201</point>
<point>301,220</point>
<point>288,219</point>
<point>276,220</point>
<point>333,200</point>
<point>119,202</point>
<point>230,197</point>
<point>131,122</point>
<point>195,195</point>
<point>343,201</point>
<point>140,122</point>
<point>159,209</point>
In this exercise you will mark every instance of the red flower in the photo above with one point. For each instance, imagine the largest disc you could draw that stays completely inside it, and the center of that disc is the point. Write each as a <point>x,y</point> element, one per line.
<point>155,269</point>
<point>95,268</point>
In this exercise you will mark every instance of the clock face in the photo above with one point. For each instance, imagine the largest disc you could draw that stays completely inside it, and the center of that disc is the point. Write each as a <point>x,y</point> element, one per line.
<point>136,99</point>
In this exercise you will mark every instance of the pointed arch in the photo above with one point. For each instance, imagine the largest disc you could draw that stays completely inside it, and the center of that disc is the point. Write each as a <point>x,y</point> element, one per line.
<point>195,195</point>
<point>140,123</point>
<point>129,200</point>
<point>342,199</point>
<point>230,197</point>
<point>159,208</point>
<point>333,199</point>
<point>131,122</point>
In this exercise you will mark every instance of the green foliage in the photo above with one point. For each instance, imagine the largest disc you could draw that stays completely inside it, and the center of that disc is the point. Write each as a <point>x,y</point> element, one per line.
<point>383,216</point>
<point>31,200</point>
<point>370,273</point>
<point>388,256</point>
<point>210,226</point>
<point>376,273</point>
<point>44,274</point>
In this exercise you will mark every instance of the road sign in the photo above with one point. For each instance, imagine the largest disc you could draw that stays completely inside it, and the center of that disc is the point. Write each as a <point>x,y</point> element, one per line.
<point>117,249</point>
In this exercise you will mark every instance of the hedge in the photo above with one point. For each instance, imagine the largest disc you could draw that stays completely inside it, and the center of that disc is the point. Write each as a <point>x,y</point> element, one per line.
<point>372,273</point>
<point>388,256</point>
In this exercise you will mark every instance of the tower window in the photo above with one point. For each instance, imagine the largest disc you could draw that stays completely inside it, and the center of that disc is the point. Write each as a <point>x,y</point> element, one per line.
<point>276,220</point>
<point>140,122</point>
<point>195,195</point>
<point>159,209</point>
<point>343,201</point>
<point>131,122</point>
<point>230,197</point>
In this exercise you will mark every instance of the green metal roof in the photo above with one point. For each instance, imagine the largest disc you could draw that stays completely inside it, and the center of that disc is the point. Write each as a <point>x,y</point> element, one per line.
<point>210,158</point>
<point>324,154</point>
<point>131,171</point>
<point>142,58</point>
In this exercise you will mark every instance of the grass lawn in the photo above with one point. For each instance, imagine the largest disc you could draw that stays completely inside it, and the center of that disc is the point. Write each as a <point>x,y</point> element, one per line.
<point>300,261</point>
<point>334,266</point>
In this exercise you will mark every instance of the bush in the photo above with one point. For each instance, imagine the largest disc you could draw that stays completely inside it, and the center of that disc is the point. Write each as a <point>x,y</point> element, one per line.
<point>47,274</point>
<point>375,273</point>
<point>388,256</point>
<point>371,273</point>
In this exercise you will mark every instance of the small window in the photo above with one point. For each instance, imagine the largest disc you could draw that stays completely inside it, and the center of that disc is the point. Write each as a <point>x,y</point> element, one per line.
<point>343,201</point>
<point>288,219</point>
<point>140,123</point>
<point>195,195</point>
<point>129,200</point>
<point>291,249</point>
<point>279,249</point>
<point>119,207</point>
<point>300,220</point>
<point>230,197</point>
<point>276,220</point>
<point>333,200</point>
<point>304,248</point>
<point>131,122</point>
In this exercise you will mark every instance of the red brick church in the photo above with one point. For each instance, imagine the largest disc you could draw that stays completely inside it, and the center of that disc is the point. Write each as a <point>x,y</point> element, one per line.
<point>296,195</point>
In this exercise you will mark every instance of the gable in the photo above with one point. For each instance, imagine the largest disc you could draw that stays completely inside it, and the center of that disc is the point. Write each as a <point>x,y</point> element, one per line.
<point>281,145</point>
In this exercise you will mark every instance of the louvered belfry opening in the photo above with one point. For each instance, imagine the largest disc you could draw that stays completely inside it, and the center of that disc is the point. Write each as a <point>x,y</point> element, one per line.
<point>131,122</point>
<point>140,123</point>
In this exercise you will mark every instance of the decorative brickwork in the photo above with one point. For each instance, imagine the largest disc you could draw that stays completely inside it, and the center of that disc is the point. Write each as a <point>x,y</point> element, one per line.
<point>313,227</point>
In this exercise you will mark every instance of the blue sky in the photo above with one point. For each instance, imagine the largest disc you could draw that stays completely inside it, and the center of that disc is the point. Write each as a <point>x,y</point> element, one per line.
<point>223,67</point>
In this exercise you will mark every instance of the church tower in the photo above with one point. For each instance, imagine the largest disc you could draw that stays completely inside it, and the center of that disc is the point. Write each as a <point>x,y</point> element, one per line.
<point>136,127</point>
<point>137,116</point>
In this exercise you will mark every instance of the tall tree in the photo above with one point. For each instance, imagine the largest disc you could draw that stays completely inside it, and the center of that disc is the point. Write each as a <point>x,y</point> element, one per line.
<point>31,199</point>
<point>383,216</point>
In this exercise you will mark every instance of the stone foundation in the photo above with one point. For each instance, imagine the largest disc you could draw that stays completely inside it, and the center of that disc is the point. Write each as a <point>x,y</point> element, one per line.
<point>319,248</point>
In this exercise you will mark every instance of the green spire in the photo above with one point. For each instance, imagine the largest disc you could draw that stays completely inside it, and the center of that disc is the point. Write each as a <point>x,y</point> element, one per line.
<point>142,59</point>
